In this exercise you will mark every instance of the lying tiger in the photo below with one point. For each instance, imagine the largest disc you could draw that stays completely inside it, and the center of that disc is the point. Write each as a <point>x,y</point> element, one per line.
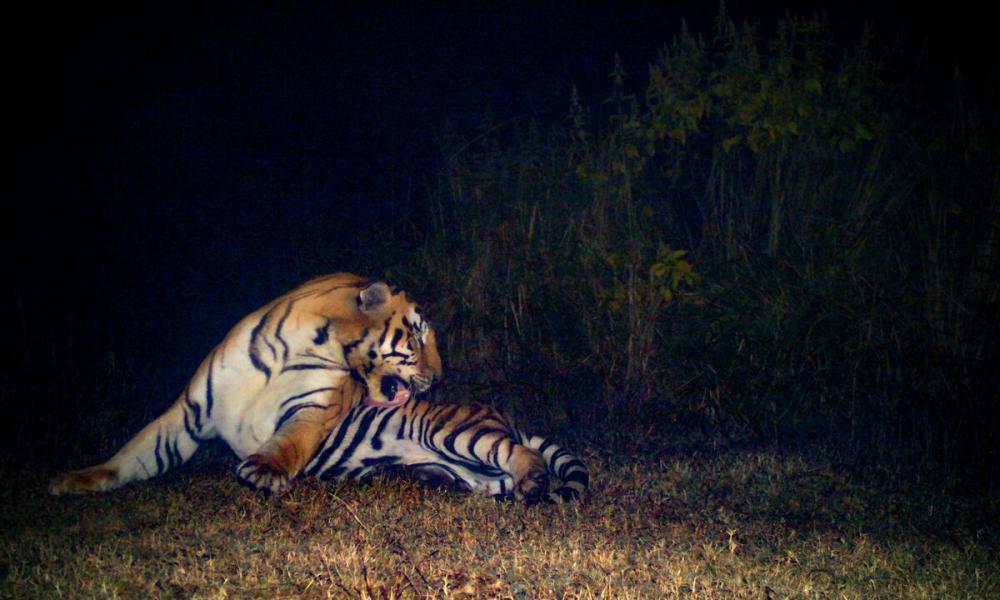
<point>272,389</point>
<point>472,447</point>
<point>298,385</point>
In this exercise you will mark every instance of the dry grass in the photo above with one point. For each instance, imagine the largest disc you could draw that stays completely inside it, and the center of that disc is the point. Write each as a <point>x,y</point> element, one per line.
<point>701,525</point>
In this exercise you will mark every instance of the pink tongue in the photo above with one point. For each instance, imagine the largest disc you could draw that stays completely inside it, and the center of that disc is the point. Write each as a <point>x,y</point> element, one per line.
<point>398,400</point>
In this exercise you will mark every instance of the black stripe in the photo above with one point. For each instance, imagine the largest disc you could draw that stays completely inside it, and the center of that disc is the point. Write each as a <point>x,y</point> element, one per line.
<point>254,352</point>
<point>475,419</point>
<point>423,426</point>
<point>350,346</point>
<point>281,324</point>
<point>311,354</point>
<point>481,469</point>
<point>324,455</point>
<point>573,463</point>
<point>209,396</point>
<point>176,458</point>
<point>578,473</point>
<point>445,466</point>
<point>418,422</point>
<point>440,422</point>
<point>190,431</point>
<point>291,412</point>
<point>306,367</point>
<point>559,453</point>
<point>322,334</point>
<point>304,394</point>
<point>355,473</point>
<point>380,460</point>
<point>168,454</point>
<point>156,453</point>
<point>270,346</point>
<point>478,435</point>
<point>472,463</point>
<point>396,335</point>
<point>331,473</point>
<point>195,409</point>
<point>359,436</point>
<point>376,442</point>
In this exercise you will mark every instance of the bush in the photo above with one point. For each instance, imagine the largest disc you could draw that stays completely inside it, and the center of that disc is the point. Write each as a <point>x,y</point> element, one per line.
<point>785,240</point>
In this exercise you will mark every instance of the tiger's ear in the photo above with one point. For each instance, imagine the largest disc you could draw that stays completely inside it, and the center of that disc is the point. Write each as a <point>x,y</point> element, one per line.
<point>373,297</point>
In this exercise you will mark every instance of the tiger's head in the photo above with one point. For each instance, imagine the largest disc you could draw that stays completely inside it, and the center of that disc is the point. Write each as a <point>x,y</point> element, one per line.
<point>397,355</point>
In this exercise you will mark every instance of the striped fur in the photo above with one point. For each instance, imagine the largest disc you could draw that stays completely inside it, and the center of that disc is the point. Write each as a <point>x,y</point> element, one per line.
<point>470,446</point>
<point>274,387</point>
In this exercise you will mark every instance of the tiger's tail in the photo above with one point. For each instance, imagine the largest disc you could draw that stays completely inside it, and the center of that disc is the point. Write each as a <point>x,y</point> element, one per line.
<point>566,467</point>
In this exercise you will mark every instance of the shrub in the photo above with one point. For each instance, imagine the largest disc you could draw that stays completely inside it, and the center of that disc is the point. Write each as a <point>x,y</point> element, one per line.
<point>782,238</point>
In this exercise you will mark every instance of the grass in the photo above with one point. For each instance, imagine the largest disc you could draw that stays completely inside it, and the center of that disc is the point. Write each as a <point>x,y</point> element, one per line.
<point>738,523</point>
<point>787,241</point>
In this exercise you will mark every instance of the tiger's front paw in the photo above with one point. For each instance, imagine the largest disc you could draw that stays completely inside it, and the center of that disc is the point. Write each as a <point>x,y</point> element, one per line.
<point>94,479</point>
<point>533,487</point>
<point>260,473</point>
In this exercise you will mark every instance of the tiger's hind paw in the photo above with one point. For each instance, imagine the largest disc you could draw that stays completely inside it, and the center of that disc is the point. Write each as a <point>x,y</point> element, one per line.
<point>93,479</point>
<point>532,488</point>
<point>259,473</point>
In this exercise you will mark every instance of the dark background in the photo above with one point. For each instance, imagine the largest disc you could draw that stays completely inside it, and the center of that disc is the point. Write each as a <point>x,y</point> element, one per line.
<point>174,168</point>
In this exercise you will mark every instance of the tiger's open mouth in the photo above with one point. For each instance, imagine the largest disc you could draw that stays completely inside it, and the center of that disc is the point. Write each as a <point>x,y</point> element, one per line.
<point>391,387</point>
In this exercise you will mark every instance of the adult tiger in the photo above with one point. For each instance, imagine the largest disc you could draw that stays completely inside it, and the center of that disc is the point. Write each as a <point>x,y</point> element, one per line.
<point>273,389</point>
<point>469,446</point>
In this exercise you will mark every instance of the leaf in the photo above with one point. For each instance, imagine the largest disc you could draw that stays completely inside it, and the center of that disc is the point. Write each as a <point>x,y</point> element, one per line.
<point>863,132</point>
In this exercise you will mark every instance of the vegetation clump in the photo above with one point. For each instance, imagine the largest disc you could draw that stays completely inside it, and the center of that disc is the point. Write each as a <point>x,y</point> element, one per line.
<point>775,238</point>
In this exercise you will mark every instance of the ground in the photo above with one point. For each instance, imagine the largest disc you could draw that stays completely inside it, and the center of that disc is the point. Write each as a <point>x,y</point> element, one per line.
<point>739,523</point>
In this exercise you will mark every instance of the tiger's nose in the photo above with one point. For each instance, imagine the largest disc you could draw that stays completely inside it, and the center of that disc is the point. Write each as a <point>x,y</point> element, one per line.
<point>423,381</point>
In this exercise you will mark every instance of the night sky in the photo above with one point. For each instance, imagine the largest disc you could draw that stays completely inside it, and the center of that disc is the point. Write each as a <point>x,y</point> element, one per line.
<point>175,168</point>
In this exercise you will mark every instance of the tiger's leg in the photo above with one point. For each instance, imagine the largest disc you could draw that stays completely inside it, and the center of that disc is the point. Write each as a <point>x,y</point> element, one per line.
<point>525,465</point>
<point>491,443</point>
<point>531,480</point>
<point>165,443</point>
<point>296,439</point>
